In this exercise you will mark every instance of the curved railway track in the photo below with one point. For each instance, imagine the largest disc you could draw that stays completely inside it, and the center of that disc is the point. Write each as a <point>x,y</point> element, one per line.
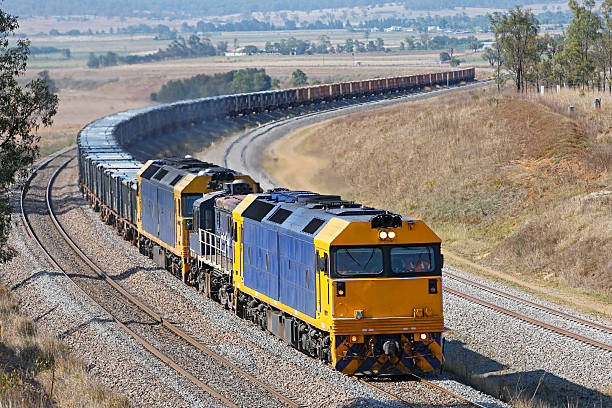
<point>523,317</point>
<point>167,342</point>
<point>239,153</point>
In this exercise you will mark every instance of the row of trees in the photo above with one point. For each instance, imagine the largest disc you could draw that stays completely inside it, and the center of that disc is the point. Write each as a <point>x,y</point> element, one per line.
<point>178,9</point>
<point>439,42</point>
<point>64,52</point>
<point>459,22</point>
<point>582,57</point>
<point>293,46</point>
<point>191,48</point>
<point>200,86</point>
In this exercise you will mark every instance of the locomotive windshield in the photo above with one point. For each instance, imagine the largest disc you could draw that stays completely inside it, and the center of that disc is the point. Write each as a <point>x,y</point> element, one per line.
<point>359,261</point>
<point>412,260</point>
<point>187,201</point>
<point>385,260</point>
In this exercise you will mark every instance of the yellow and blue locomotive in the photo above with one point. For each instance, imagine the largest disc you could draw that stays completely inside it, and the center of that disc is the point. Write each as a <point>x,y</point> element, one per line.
<point>166,191</point>
<point>354,286</point>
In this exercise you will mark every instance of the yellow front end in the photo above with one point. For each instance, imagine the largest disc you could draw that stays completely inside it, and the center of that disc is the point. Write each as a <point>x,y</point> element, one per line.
<point>387,324</point>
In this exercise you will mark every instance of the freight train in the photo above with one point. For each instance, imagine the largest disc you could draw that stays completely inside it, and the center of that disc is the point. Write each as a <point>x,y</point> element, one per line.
<point>357,287</point>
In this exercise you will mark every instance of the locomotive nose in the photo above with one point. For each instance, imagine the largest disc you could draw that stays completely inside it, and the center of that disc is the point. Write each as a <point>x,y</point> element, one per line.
<point>390,347</point>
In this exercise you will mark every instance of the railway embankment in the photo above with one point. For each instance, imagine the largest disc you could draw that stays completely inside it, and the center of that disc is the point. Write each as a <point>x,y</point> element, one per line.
<point>514,183</point>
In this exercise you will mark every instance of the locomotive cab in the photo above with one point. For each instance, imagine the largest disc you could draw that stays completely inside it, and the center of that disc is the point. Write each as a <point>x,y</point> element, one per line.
<point>383,280</point>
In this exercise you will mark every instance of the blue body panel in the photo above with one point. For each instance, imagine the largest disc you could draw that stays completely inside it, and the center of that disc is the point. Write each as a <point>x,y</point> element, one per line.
<point>262,243</point>
<point>165,203</point>
<point>158,211</point>
<point>297,280</point>
<point>289,274</point>
<point>148,196</point>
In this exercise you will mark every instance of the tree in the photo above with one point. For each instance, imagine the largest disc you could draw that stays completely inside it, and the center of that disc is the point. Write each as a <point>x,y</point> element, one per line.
<point>93,61</point>
<point>44,75</point>
<point>349,45</point>
<point>490,56</point>
<point>425,39</point>
<point>221,48</point>
<point>495,21</point>
<point>445,56</point>
<point>24,108</point>
<point>515,34</point>
<point>454,62</point>
<point>582,34</point>
<point>606,12</point>
<point>298,78</point>
<point>250,50</point>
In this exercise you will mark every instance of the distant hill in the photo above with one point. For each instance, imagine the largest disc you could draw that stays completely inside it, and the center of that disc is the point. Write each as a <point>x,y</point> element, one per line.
<point>182,8</point>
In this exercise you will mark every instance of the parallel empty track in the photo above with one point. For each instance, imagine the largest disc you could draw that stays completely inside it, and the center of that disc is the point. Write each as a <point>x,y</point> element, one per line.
<point>568,333</point>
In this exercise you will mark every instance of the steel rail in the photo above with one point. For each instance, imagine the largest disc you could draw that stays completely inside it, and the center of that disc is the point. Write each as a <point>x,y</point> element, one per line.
<point>148,310</point>
<point>530,303</point>
<point>387,393</point>
<point>467,401</point>
<point>144,307</point>
<point>555,329</point>
<point>130,332</point>
<point>421,380</point>
<point>135,336</point>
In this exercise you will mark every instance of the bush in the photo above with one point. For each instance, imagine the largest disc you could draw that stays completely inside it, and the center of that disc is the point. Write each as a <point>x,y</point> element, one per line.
<point>299,78</point>
<point>201,86</point>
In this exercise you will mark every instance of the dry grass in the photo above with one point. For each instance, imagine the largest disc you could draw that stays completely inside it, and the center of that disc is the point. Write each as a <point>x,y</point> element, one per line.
<point>511,181</point>
<point>36,370</point>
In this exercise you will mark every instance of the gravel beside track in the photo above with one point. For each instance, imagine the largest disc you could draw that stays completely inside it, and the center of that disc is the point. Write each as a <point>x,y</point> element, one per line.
<point>590,332</point>
<point>215,374</point>
<point>60,309</point>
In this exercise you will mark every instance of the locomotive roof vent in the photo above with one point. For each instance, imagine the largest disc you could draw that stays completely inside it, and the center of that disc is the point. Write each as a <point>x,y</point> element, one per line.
<point>237,187</point>
<point>386,220</point>
<point>223,175</point>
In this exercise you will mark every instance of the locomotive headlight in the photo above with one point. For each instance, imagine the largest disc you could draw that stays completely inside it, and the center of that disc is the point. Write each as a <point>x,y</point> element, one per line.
<point>391,234</point>
<point>354,339</point>
<point>383,235</point>
<point>423,336</point>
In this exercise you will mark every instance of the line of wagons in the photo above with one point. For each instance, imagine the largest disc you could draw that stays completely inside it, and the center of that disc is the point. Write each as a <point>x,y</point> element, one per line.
<point>109,173</point>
